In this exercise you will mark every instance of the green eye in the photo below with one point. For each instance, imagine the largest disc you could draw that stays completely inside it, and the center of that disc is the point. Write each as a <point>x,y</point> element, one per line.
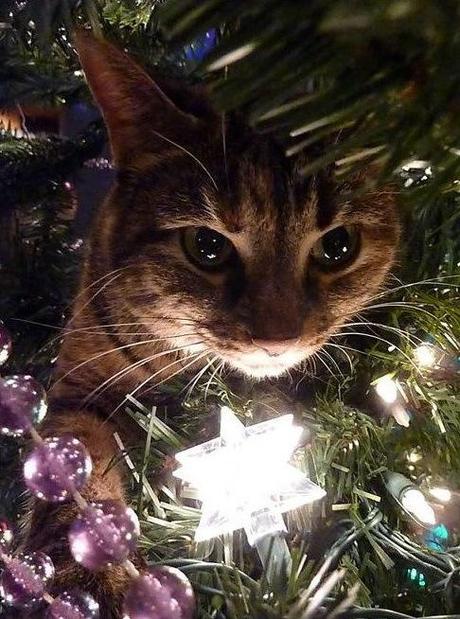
<point>206,248</point>
<point>337,247</point>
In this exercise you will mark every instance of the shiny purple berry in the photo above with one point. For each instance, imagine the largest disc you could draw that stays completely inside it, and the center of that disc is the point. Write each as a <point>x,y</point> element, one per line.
<point>57,467</point>
<point>73,605</point>
<point>25,579</point>
<point>105,532</point>
<point>22,404</point>
<point>160,593</point>
<point>6,536</point>
<point>6,344</point>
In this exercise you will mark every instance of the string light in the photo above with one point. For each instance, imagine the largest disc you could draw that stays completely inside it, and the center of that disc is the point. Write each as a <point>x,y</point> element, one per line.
<point>425,356</point>
<point>408,496</point>
<point>441,494</point>
<point>413,500</point>
<point>386,387</point>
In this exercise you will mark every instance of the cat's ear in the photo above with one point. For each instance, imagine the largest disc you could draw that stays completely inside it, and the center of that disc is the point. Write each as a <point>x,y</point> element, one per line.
<point>134,106</point>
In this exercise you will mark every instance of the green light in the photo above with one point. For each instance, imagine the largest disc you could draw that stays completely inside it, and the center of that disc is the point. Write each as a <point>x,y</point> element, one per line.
<point>416,577</point>
<point>440,531</point>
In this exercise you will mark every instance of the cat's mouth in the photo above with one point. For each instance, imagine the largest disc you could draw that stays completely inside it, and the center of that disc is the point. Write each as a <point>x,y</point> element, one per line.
<point>260,364</point>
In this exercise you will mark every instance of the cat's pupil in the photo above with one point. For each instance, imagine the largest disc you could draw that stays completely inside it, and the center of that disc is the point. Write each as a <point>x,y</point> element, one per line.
<point>206,249</point>
<point>337,247</point>
<point>336,244</point>
<point>209,244</point>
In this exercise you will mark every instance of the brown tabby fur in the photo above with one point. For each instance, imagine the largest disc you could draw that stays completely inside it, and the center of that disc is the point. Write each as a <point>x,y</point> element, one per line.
<point>182,164</point>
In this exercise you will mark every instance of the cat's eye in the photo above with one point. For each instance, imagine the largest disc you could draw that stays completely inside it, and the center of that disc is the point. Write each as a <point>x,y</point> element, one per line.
<point>337,247</point>
<point>206,248</point>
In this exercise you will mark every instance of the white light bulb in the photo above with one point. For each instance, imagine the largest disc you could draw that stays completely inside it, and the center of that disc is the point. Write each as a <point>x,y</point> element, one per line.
<point>425,356</point>
<point>415,503</point>
<point>387,389</point>
<point>442,494</point>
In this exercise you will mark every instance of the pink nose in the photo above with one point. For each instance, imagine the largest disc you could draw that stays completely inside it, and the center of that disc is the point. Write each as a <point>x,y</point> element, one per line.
<point>276,347</point>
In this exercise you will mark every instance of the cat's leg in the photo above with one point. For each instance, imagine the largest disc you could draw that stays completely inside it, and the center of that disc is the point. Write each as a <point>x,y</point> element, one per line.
<point>48,523</point>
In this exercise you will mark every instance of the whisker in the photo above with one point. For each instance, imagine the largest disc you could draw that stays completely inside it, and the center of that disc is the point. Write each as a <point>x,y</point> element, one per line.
<point>91,299</point>
<point>198,358</point>
<point>211,378</point>
<point>97,281</point>
<point>380,339</point>
<point>409,304</point>
<point>400,332</point>
<point>342,349</point>
<point>110,382</point>
<point>107,352</point>
<point>422,282</point>
<point>182,148</point>
<point>197,377</point>
<point>320,358</point>
<point>333,361</point>
<point>194,356</point>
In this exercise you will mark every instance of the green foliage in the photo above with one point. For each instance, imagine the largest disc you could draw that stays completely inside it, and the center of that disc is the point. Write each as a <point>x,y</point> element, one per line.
<point>381,76</point>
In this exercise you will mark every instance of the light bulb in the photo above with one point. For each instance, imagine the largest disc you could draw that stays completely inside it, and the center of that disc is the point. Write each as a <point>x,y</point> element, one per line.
<point>387,389</point>
<point>414,502</point>
<point>425,356</point>
<point>442,494</point>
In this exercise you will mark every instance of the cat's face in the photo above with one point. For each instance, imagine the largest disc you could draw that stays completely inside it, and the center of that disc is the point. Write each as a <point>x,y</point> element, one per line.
<point>219,244</point>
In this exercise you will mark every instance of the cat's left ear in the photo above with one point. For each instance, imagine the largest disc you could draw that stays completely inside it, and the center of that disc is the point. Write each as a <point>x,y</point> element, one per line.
<point>135,108</point>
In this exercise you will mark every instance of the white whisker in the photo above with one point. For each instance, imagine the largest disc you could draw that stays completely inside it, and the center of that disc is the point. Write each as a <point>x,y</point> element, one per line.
<point>182,148</point>
<point>108,352</point>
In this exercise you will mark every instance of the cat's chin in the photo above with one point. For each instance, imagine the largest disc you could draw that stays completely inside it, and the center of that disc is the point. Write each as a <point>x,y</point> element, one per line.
<point>267,367</point>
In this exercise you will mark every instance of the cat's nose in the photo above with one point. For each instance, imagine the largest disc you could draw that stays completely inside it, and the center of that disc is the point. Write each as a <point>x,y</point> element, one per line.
<point>276,347</point>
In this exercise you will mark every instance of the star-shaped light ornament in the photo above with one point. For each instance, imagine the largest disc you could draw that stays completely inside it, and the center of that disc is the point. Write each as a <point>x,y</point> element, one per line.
<point>243,477</point>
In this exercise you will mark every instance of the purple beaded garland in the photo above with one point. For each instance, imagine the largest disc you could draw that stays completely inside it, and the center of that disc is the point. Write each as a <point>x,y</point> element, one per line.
<point>57,467</point>
<point>160,593</point>
<point>6,536</point>
<point>105,532</point>
<point>22,404</point>
<point>6,344</point>
<point>73,605</point>
<point>25,578</point>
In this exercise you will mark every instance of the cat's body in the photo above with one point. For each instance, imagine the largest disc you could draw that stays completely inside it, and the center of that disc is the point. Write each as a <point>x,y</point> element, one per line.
<point>211,246</point>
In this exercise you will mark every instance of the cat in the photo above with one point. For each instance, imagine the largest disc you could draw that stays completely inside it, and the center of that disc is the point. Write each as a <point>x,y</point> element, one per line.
<point>211,247</point>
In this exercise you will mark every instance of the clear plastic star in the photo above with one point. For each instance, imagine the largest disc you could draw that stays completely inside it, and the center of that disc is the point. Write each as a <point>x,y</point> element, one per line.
<point>244,479</point>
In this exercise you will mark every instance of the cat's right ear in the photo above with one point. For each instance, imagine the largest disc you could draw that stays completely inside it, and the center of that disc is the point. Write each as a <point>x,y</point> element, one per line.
<point>134,107</point>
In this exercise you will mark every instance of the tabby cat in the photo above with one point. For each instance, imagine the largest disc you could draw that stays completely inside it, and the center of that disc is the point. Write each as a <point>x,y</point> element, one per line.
<point>211,247</point>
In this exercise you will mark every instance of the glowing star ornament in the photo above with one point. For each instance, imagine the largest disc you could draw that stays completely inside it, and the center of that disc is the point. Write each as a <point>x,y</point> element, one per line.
<point>243,477</point>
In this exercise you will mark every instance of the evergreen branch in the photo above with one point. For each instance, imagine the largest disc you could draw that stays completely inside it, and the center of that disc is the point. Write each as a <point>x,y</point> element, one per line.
<point>363,71</point>
<point>28,165</point>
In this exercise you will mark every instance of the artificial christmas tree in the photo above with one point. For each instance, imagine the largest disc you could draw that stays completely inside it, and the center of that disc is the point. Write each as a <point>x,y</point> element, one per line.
<point>350,85</point>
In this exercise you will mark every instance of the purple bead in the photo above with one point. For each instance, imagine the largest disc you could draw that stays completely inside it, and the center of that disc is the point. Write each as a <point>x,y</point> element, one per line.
<point>73,605</point>
<point>104,533</point>
<point>6,536</point>
<point>57,467</point>
<point>25,579</point>
<point>6,344</point>
<point>160,593</point>
<point>22,404</point>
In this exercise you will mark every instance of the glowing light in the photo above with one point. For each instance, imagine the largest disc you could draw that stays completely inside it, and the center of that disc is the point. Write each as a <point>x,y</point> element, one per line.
<point>441,494</point>
<point>414,502</point>
<point>387,389</point>
<point>243,477</point>
<point>425,355</point>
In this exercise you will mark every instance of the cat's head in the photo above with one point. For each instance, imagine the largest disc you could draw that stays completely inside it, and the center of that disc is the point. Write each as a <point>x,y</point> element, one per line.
<point>217,242</point>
